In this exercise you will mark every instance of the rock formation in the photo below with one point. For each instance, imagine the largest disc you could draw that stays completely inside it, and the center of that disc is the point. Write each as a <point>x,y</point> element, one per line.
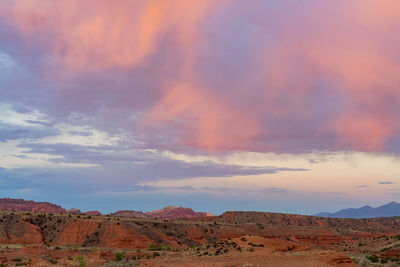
<point>171,212</point>
<point>29,205</point>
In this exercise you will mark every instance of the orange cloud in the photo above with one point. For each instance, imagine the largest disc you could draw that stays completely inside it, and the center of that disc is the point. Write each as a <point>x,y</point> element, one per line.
<point>87,35</point>
<point>203,119</point>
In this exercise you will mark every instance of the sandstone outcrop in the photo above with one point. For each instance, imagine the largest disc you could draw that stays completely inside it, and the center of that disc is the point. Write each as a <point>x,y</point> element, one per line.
<point>29,205</point>
<point>129,214</point>
<point>92,213</point>
<point>171,212</point>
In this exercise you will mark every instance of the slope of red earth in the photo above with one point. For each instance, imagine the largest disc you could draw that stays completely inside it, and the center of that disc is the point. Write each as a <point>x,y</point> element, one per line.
<point>232,239</point>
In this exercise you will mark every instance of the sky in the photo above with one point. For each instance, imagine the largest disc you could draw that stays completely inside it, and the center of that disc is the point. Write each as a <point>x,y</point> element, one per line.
<point>285,106</point>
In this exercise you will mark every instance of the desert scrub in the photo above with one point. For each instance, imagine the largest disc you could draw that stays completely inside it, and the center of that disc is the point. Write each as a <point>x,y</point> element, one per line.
<point>119,264</point>
<point>154,247</point>
<point>52,261</point>
<point>373,258</point>
<point>384,260</point>
<point>119,256</point>
<point>81,260</point>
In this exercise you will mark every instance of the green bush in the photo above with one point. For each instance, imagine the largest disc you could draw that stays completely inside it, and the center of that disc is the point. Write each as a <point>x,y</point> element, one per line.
<point>81,260</point>
<point>166,247</point>
<point>373,258</point>
<point>384,260</point>
<point>119,256</point>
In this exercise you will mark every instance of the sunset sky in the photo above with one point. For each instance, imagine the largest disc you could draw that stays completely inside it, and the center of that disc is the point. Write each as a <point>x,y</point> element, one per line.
<point>286,106</point>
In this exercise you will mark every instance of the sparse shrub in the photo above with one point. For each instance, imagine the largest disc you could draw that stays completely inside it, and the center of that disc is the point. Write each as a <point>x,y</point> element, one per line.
<point>153,247</point>
<point>155,254</point>
<point>373,258</point>
<point>52,261</point>
<point>19,259</point>
<point>119,256</point>
<point>81,260</point>
<point>384,260</point>
<point>57,248</point>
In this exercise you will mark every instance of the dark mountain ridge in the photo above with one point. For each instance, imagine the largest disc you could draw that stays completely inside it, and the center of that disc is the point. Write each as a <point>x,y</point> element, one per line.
<point>388,210</point>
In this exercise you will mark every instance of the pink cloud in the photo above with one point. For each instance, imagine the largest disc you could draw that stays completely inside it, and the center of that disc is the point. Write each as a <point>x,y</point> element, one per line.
<point>288,75</point>
<point>88,36</point>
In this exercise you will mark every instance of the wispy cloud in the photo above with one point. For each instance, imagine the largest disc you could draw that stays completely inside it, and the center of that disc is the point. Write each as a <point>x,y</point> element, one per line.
<point>386,182</point>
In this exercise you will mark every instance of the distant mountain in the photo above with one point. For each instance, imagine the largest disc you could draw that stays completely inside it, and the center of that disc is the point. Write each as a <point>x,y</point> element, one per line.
<point>389,210</point>
<point>29,205</point>
<point>171,212</point>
